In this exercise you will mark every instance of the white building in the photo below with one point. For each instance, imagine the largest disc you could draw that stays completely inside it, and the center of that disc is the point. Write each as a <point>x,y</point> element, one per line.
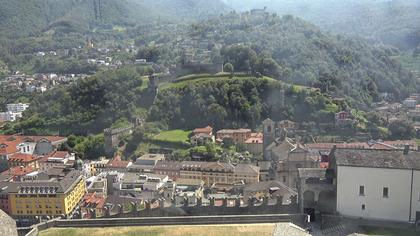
<point>377,184</point>
<point>17,107</point>
<point>410,103</point>
<point>10,116</point>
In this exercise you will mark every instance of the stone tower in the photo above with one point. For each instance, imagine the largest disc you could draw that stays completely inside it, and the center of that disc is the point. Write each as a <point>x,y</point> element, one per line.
<point>268,132</point>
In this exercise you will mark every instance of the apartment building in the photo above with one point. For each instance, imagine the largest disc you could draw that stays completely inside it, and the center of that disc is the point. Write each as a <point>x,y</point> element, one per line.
<point>47,195</point>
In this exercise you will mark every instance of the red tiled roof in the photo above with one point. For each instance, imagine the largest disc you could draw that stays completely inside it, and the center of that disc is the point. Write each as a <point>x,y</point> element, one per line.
<point>22,138</point>
<point>21,157</point>
<point>92,198</point>
<point>254,140</point>
<point>18,171</point>
<point>58,154</point>
<point>116,162</point>
<point>8,147</point>
<point>206,130</point>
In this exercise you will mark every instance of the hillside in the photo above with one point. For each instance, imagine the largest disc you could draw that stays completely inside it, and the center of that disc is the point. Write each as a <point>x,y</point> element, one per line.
<point>237,102</point>
<point>29,17</point>
<point>394,22</point>
<point>86,107</point>
<point>95,103</point>
<point>303,54</point>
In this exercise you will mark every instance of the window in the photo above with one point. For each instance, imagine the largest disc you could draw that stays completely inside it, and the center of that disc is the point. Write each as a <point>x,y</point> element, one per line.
<point>363,207</point>
<point>385,192</point>
<point>362,190</point>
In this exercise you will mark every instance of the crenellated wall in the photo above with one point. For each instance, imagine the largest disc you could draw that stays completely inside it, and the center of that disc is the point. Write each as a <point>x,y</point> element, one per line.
<point>267,206</point>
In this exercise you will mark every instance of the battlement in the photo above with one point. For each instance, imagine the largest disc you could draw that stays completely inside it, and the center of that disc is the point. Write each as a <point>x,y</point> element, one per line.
<point>157,208</point>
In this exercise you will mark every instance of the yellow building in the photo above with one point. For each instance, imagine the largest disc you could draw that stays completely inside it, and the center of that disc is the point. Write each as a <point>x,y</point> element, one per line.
<point>218,172</point>
<point>47,197</point>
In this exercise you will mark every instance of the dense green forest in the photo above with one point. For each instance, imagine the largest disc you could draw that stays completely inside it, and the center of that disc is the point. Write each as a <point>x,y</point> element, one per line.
<point>393,22</point>
<point>304,55</point>
<point>83,108</point>
<point>238,102</point>
<point>31,17</point>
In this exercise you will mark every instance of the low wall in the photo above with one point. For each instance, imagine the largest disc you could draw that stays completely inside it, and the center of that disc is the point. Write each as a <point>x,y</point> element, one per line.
<point>298,219</point>
<point>253,207</point>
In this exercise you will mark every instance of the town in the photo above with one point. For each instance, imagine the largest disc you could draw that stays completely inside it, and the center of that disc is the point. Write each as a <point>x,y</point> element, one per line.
<point>228,117</point>
<point>40,182</point>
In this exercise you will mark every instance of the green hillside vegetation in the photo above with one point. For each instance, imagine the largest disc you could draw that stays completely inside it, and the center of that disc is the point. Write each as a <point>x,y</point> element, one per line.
<point>238,102</point>
<point>31,17</point>
<point>290,49</point>
<point>394,22</point>
<point>88,106</point>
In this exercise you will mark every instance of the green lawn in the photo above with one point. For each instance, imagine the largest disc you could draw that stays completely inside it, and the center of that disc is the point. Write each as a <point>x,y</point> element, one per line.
<point>388,231</point>
<point>208,230</point>
<point>408,61</point>
<point>175,136</point>
<point>182,82</point>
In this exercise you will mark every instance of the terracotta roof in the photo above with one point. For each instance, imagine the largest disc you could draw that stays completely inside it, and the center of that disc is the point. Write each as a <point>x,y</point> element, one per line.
<point>8,147</point>
<point>116,162</point>
<point>23,138</point>
<point>206,130</point>
<point>92,199</point>
<point>18,171</point>
<point>21,157</point>
<point>59,154</point>
<point>254,140</point>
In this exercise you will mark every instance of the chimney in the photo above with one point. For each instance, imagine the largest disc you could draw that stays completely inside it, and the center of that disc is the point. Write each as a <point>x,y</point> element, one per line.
<point>406,149</point>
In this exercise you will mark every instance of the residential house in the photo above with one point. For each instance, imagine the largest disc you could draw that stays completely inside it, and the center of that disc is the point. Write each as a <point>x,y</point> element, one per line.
<point>93,202</point>
<point>170,168</point>
<point>60,159</point>
<point>342,118</point>
<point>17,173</point>
<point>21,159</point>
<point>236,135</point>
<point>202,136</point>
<point>117,164</point>
<point>254,144</point>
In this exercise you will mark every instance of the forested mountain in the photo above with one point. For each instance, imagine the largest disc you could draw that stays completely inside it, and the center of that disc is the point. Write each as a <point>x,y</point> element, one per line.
<point>238,102</point>
<point>29,17</point>
<point>304,55</point>
<point>96,103</point>
<point>391,21</point>
<point>86,107</point>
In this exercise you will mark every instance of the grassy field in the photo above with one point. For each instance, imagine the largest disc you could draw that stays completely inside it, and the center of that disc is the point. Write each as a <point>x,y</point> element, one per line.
<point>231,230</point>
<point>388,231</point>
<point>173,136</point>
<point>197,79</point>
<point>409,62</point>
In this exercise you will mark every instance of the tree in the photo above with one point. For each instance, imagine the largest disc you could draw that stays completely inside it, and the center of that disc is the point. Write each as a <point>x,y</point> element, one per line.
<point>228,68</point>
<point>401,130</point>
